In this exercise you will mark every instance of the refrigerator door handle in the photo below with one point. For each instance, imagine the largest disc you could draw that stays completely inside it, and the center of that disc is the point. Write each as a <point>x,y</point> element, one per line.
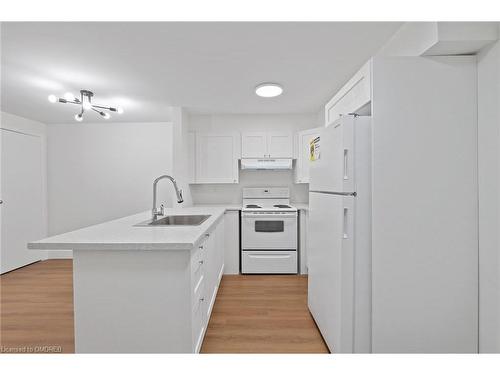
<point>345,224</point>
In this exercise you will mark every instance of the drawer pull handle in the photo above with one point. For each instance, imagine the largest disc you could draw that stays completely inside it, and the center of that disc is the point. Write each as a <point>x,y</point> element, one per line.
<point>207,234</point>
<point>200,261</point>
<point>201,247</point>
<point>202,299</point>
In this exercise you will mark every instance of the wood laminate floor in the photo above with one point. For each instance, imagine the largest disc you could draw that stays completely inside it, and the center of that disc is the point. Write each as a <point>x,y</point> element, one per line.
<point>252,314</point>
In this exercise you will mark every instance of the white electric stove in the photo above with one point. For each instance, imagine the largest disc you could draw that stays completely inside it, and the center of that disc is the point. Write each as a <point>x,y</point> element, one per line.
<point>268,231</point>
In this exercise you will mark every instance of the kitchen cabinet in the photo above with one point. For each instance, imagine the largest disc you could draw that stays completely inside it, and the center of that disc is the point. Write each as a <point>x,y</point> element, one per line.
<point>254,145</point>
<point>232,242</point>
<point>353,97</point>
<point>142,290</point>
<point>216,158</point>
<point>303,140</point>
<point>213,247</point>
<point>279,145</point>
<point>303,218</point>
<point>267,145</point>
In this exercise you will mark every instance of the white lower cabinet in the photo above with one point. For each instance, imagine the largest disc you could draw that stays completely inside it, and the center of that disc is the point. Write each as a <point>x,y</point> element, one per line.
<point>303,219</point>
<point>207,265</point>
<point>232,242</point>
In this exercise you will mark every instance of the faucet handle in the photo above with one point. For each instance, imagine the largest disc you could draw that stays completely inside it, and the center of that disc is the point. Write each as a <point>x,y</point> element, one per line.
<point>159,211</point>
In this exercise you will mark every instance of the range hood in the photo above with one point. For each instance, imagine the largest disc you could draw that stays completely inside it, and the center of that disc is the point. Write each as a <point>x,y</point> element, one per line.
<point>266,164</point>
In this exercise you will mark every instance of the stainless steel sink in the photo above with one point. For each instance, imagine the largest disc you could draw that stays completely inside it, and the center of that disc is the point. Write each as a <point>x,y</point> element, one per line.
<point>175,220</point>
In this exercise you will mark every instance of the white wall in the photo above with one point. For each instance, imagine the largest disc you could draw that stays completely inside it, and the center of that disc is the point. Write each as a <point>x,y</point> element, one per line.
<point>424,202</point>
<point>412,39</point>
<point>102,171</point>
<point>439,38</point>
<point>489,197</point>
<point>27,126</point>
<point>181,154</point>
<point>231,193</point>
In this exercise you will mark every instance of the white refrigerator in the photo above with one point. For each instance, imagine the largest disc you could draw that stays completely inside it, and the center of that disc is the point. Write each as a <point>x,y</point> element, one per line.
<point>339,235</point>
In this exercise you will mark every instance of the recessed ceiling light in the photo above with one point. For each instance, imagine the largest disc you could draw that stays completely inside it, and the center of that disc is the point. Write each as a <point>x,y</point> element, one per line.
<point>268,90</point>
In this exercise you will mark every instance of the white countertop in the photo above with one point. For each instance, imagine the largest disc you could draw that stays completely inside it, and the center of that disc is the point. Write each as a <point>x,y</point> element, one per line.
<point>121,234</point>
<point>301,206</point>
<point>237,207</point>
<point>226,206</point>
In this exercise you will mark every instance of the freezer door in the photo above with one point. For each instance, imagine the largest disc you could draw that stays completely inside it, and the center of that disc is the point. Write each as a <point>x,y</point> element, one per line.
<point>334,170</point>
<point>330,268</point>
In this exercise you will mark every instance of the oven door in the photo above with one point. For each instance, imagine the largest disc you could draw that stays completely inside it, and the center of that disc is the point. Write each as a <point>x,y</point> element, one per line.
<point>269,231</point>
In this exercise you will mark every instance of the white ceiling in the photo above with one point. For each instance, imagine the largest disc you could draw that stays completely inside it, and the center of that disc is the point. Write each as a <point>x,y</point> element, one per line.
<point>206,67</point>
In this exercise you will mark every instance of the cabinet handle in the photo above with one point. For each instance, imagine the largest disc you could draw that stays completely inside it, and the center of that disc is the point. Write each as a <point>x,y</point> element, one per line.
<point>201,262</point>
<point>202,299</point>
<point>207,234</point>
<point>200,247</point>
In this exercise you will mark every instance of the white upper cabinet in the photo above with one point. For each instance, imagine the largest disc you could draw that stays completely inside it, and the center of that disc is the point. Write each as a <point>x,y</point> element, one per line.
<point>267,145</point>
<point>280,145</point>
<point>352,97</point>
<point>303,142</point>
<point>216,158</point>
<point>254,145</point>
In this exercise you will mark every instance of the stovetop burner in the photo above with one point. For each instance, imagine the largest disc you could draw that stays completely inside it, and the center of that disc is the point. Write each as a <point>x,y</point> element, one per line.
<point>282,206</point>
<point>252,206</point>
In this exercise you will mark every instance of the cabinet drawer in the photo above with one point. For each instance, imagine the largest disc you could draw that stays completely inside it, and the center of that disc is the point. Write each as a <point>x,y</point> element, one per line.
<point>269,262</point>
<point>198,258</point>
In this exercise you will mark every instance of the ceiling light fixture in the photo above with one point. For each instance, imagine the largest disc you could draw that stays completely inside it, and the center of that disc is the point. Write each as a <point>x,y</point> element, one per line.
<point>269,90</point>
<point>85,103</point>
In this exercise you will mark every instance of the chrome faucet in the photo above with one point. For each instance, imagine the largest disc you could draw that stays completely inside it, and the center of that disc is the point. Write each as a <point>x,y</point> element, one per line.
<point>161,211</point>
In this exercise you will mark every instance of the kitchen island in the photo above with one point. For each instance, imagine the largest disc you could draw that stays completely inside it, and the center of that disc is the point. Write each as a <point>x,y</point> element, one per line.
<point>143,289</point>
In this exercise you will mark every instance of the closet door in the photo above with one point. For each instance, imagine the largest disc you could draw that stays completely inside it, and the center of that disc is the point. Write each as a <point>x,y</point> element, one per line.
<point>22,198</point>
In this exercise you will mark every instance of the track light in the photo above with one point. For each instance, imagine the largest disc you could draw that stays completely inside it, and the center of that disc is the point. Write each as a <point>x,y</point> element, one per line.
<point>85,103</point>
<point>69,96</point>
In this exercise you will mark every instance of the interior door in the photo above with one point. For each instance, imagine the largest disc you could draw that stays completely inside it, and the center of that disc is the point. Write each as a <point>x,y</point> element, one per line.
<point>330,266</point>
<point>22,195</point>
<point>333,171</point>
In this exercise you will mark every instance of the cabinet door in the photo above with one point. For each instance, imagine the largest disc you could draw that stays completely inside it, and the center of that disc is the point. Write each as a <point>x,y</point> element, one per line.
<point>254,145</point>
<point>279,145</point>
<point>353,96</point>
<point>231,243</point>
<point>304,139</point>
<point>216,158</point>
<point>213,268</point>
